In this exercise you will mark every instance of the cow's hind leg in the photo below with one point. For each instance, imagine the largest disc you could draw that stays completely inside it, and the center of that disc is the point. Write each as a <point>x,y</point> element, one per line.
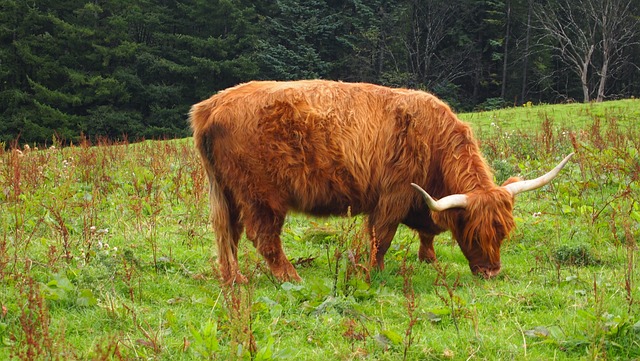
<point>263,226</point>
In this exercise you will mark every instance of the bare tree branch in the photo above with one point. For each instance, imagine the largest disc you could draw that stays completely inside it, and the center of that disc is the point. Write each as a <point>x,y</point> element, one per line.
<point>428,26</point>
<point>619,30</point>
<point>571,33</point>
<point>578,30</point>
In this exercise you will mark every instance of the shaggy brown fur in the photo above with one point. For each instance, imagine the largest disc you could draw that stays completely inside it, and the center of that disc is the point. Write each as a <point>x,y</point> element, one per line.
<point>322,147</point>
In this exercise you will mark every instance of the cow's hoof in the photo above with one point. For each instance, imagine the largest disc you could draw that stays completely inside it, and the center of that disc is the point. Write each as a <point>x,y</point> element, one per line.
<point>236,278</point>
<point>286,274</point>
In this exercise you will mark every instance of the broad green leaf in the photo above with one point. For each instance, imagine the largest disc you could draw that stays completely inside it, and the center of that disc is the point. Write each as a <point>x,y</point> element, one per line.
<point>288,286</point>
<point>86,298</point>
<point>566,209</point>
<point>392,336</point>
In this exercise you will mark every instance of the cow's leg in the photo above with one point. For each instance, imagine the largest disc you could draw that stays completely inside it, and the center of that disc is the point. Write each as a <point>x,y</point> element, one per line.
<point>426,252</point>
<point>421,221</point>
<point>263,226</point>
<point>381,232</point>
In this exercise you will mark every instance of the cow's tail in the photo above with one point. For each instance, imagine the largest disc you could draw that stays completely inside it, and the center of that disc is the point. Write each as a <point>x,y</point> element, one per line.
<point>220,202</point>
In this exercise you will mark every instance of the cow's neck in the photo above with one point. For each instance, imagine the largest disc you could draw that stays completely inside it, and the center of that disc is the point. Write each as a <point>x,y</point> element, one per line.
<point>464,168</point>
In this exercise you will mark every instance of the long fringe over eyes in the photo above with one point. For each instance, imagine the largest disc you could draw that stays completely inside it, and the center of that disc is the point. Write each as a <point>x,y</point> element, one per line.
<point>489,219</point>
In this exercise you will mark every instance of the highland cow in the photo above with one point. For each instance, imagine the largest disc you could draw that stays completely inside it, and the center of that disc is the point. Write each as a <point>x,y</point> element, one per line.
<point>329,148</point>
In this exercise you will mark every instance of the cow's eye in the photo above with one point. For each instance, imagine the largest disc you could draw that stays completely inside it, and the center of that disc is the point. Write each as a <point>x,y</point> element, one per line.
<point>499,229</point>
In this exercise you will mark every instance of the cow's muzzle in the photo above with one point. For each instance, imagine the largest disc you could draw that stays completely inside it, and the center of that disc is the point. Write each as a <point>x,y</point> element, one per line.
<point>486,270</point>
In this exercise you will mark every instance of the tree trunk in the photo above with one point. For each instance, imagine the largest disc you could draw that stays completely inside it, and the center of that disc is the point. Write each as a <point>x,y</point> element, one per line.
<point>585,87</point>
<point>506,52</point>
<point>572,31</point>
<point>603,78</point>
<point>379,58</point>
<point>525,66</point>
<point>584,72</point>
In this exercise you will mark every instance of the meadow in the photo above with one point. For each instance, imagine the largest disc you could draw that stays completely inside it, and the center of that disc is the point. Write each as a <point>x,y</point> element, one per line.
<point>106,254</point>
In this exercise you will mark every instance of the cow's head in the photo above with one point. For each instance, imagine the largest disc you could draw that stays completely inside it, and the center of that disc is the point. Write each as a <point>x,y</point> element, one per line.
<point>480,220</point>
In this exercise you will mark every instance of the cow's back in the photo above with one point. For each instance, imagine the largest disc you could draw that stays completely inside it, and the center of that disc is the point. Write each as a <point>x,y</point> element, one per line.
<point>316,146</point>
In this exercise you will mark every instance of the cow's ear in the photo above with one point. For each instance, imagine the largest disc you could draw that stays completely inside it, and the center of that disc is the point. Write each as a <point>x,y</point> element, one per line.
<point>511,180</point>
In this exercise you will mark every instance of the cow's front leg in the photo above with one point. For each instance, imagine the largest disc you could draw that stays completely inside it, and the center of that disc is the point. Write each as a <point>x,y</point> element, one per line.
<point>426,252</point>
<point>381,233</point>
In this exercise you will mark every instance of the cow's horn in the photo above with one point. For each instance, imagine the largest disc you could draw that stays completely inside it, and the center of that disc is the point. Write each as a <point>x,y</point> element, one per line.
<point>452,201</point>
<point>528,185</point>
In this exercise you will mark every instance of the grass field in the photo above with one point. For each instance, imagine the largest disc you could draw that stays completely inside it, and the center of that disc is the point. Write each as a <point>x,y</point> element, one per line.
<point>106,254</point>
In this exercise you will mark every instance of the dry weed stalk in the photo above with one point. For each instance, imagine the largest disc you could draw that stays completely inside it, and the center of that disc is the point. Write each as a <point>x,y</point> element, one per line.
<point>352,246</point>
<point>36,341</point>
<point>109,351</point>
<point>631,248</point>
<point>238,301</point>
<point>407,272</point>
<point>453,301</point>
<point>152,338</point>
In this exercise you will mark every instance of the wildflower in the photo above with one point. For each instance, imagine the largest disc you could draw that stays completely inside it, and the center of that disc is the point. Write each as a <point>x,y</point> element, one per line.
<point>103,231</point>
<point>448,353</point>
<point>537,214</point>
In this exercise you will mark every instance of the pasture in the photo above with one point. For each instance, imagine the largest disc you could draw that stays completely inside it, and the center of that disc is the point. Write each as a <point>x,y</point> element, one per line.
<point>106,254</point>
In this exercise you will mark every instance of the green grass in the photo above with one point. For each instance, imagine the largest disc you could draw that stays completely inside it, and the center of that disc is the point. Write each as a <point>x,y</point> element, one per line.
<point>106,254</point>
<point>571,116</point>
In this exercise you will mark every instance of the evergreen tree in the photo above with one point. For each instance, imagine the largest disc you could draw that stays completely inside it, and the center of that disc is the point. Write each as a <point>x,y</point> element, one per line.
<point>297,35</point>
<point>114,68</point>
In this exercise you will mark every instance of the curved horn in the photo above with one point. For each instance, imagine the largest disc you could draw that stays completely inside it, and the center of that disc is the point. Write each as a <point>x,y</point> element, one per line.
<point>452,201</point>
<point>528,185</point>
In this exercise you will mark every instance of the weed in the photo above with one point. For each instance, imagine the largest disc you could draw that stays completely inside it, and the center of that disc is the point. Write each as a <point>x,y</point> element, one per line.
<point>631,248</point>
<point>547,134</point>
<point>129,273</point>
<point>455,304</point>
<point>410,303</point>
<point>205,340</point>
<point>349,265</point>
<point>4,255</point>
<point>598,337</point>
<point>60,225</point>
<point>152,338</point>
<point>36,341</point>
<point>238,301</point>
<point>108,350</point>
<point>577,255</point>
<point>351,332</point>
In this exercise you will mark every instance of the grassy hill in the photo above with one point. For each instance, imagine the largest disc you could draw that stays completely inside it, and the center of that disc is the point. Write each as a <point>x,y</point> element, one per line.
<point>571,116</point>
<point>106,254</point>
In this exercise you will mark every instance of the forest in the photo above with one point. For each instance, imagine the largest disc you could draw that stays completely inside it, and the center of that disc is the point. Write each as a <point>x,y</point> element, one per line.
<point>130,69</point>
